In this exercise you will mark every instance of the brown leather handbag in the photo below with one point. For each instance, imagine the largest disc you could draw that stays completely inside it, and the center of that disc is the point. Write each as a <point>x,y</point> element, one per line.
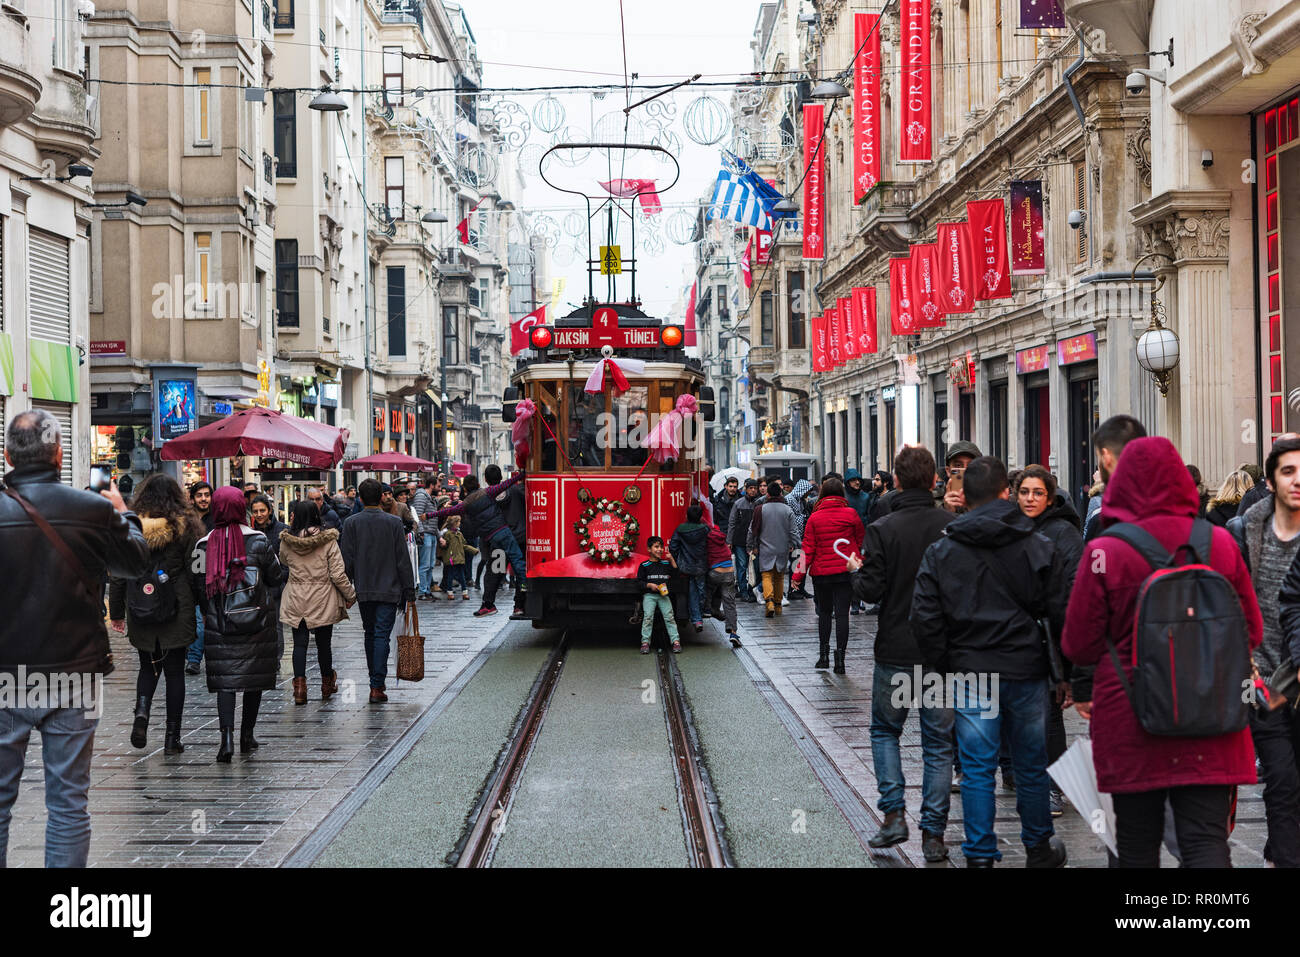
<point>410,647</point>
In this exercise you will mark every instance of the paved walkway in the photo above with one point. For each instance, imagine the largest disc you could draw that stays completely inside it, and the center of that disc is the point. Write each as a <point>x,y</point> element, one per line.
<point>155,810</point>
<point>837,710</point>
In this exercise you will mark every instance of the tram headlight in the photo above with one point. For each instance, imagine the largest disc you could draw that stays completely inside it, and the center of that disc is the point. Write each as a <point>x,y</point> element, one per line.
<point>540,337</point>
<point>671,336</point>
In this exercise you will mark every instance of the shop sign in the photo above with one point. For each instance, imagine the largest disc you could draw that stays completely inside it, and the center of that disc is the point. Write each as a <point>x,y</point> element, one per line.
<point>222,408</point>
<point>377,418</point>
<point>1077,349</point>
<point>888,393</point>
<point>1034,359</point>
<point>53,371</point>
<point>108,347</point>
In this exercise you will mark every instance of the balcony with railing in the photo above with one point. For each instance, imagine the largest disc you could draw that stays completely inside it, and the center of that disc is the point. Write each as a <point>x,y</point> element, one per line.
<point>268,168</point>
<point>886,214</point>
<point>404,11</point>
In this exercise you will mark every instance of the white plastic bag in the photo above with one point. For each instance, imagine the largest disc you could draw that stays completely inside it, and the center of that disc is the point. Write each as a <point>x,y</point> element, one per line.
<point>1075,774</point>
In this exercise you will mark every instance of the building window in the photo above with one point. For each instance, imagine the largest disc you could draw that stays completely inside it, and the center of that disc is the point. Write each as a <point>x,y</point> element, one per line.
<point>765,329</point>
<point>795,308</point>
<point>1081,202</point>
<point>393,74</point>
<point>61,41</point>
<point>286,133</point>
<point>394,186</point>
<point>203,269</point>
<point>397,311</point>
<point>286,282</point>
<point>450,336</point>
<point>202,107</point>
<point>997,5</point>
<point>284,14</point>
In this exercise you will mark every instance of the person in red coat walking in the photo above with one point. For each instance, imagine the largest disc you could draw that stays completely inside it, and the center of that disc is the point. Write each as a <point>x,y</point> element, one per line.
<point>1152,489</point>
<point>833,522</point>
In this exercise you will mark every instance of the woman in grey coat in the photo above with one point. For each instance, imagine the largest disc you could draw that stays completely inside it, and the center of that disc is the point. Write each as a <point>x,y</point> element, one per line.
<point>771,535</point>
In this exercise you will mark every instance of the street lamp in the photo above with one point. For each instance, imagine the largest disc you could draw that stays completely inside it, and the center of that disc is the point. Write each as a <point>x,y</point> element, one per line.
<point>829,90</point>
<point>327,101</point>
<point>1157,349</point>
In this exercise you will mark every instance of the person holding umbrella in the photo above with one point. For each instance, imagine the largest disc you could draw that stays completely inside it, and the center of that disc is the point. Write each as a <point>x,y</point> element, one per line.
<point>236,592</point>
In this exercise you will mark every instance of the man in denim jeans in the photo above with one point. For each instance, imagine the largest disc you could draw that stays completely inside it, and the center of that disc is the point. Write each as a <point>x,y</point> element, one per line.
<point>890,558</point>
<point>53,644</point>
<point>376,559</point>
<point>979,595</point>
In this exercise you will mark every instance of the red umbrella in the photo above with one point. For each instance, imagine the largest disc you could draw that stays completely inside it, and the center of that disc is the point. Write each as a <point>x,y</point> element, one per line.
<point>263,432</point>
<point>460,469</point>
<point>389,462</point>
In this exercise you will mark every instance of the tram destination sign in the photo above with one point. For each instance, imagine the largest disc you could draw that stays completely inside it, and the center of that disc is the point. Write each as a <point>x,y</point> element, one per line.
<point>619,337</point>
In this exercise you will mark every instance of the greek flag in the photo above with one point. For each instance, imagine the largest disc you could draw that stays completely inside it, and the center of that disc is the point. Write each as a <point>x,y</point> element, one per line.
<point>742,195</point>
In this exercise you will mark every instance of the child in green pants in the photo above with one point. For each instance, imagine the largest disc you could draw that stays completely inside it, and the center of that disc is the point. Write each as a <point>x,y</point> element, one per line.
<point>654,576</point>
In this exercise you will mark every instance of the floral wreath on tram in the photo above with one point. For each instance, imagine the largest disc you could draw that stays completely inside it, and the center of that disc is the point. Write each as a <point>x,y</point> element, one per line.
<point>607,511</point>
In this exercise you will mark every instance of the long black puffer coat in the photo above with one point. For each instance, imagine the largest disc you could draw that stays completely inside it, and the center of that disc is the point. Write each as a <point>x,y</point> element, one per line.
<point>239,629</point>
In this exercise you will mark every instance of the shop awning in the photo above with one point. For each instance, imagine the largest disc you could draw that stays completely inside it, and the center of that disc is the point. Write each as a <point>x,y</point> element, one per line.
<point>389,462</point>
<point>262,432</point>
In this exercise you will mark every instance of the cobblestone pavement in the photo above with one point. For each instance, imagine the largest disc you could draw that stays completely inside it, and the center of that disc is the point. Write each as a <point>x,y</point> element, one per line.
<point>837,710</point>
<point>155,810</point>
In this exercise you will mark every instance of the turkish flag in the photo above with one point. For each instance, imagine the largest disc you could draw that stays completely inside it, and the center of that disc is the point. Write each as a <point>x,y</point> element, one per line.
<point>914,145</point>
<point>988,231</point>
<point>848,330</point>
<point>957,285</point>
<point>819,343</point>
<point>691,337</point>
<point>902,314</point>
<point>746,271</point>
<point>519,330</point>
<point>864,318</point>
<point>463,226</point>
<point>928,307</point>
<point>835,337</point>
<point>644,189</point>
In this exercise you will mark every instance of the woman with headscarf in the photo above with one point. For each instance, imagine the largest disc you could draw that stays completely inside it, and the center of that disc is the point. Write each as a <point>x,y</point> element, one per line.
<point>236,593</point>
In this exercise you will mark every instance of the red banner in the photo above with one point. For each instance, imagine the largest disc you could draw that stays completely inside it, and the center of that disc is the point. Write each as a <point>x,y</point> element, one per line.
<point>835,337</point>
<point>866,103</point>
<point>814,183</point>
<point>914,46</point>
<point>819,343</point>
<point>902,317</point>
<point>957,285</point>
<point>926,304</point>
<point>848,330</point>
<point>1027,257</point>
<point>746,271</point>
<point>864,318</point>
<point>764,246</point>
<point>988,229</point>
<point>691,337</point>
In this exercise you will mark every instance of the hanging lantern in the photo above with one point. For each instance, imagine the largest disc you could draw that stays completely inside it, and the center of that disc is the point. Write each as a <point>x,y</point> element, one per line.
<point>548,114</point>
<point>1157,349</point>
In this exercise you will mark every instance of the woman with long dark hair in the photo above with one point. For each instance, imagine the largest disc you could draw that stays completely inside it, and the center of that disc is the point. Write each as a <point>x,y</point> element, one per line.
<point>156,608</point>
<point>236,593</point>
<point>832,533</point>
<point>316,597</point>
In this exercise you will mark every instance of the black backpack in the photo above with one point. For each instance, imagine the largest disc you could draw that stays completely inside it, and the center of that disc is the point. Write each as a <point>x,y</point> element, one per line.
<point>1191,656</point>
<point>151,598</point>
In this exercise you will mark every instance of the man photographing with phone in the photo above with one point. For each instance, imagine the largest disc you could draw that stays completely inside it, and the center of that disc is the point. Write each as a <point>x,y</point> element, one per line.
<point>57,546</point>
<point>960,455</point>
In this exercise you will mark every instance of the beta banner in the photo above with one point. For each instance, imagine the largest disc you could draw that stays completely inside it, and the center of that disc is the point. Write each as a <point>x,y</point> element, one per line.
<point>864,318</point>
<point>914,45</point>
<point>835,337</point>
<point>814,183</point>
<point>902,317</point>
<point>957,268</point>
<point>1027,258</point>
<point>988,229</point>
<point>848,328</point>
<point>928,308</point>
<point>866,103</point>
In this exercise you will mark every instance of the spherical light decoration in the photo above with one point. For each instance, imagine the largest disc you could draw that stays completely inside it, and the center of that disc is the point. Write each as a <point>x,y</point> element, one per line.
<point>706,120</point>
<point>574,224</point>
<point>680,226</point>
<point>529,157</point>
<point>666,139</point>
<point>512,120</point>
<point>661,113</point>
<point>547,229</point>
<point>570,158</point>
<point>564,255</point>
<point>651,243</point>
<point>548,114</point>
<point>610,128</point>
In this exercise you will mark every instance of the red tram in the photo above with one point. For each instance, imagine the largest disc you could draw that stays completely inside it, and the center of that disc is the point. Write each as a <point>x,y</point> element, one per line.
<point>600,479</point>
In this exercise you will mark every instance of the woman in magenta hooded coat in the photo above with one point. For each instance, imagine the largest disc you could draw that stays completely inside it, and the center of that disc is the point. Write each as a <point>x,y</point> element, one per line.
<point>1152,488</point>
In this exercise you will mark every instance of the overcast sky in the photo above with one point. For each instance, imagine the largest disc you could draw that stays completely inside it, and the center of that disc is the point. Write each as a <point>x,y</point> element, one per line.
<point>546,42</point>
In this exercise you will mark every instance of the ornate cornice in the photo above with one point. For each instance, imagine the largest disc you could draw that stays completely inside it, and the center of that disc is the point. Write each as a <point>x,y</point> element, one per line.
<point>1186,225</point>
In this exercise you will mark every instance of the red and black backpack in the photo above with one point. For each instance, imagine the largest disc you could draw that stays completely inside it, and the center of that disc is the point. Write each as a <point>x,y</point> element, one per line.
<point>1191,653</point>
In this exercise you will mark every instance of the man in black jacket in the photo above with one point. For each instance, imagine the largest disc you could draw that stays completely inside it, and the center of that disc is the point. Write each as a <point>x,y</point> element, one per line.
<point>54,649</point>
<point>376,559</point>
<point>328,517</point>
<point>886,575</point>
<point>979,595</point>
<point>727,496</point>
<point>484,516</point>
<point>737,528</point>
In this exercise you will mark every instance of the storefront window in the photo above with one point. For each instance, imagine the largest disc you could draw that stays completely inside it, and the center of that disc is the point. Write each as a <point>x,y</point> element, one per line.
<point>1278,130</point>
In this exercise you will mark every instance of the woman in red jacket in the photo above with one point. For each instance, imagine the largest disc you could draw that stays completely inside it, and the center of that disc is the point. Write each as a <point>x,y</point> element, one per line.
<point>1198,776</point>
<point>832,533</point>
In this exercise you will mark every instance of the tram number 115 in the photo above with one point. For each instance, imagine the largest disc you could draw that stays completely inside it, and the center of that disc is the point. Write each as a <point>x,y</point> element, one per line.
<point>678,499</point>
<point>539,498</point>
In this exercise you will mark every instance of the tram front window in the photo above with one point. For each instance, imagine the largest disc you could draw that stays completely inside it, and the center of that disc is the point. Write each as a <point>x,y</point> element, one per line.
<point>631,425</point>
<point>585,413</point>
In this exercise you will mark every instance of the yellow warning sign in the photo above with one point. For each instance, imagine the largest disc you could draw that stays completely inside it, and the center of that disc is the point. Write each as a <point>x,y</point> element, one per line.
<point>611,260</point>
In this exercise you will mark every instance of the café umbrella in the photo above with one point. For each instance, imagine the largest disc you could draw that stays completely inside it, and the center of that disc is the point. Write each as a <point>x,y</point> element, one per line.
<point>389,462</point>
<point>265,433</point>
